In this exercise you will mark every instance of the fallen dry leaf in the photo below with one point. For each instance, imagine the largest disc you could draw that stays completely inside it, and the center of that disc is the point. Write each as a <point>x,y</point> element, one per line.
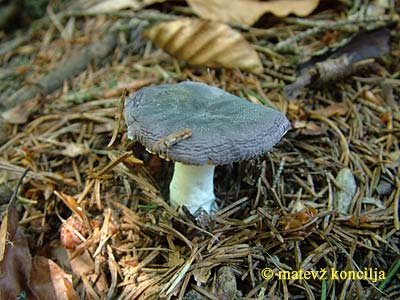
<point>225,284</point>
<point>50,282</point>
<point>344,196</point>
<point>334,109</point>
<point>115,5</point>
<point>71,203</point>
<point>299,218</point>
<point>75,149</point>
<point>15,257</point>
<point>308,127</point>
<point>362,222</point>
<point>202,275</point>
<point>206,43</point>
<point>16,267</point>
<point>73,233</point>
<point>249,11</point>
<point>84,265</point>
<point>20,113</point>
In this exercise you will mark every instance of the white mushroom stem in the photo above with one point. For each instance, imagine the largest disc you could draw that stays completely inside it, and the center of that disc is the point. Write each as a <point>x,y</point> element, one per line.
<point>193,186</point>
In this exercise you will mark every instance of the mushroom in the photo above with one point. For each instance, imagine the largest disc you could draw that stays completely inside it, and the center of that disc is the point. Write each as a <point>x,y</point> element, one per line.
<point>219,128</point>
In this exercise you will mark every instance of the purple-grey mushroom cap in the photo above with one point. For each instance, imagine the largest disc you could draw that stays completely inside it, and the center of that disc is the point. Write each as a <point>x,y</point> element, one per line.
<point>225,128</point>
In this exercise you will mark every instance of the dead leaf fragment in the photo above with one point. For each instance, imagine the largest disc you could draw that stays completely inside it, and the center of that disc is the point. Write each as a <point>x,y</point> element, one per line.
<point>225,285</point>
<point>343,197</point>
<point>339,109</point>
<point>73,233</point>
<point>299,218</point>
<point>71,203</point>
<point>206,43</point>
<point>308,127</point>
<point>50,282</point>
<point>15,257</point>
<point>249,11</point>
<point>362,222</point>
<point>201,275</point>
<point>116,5</point>
<point>16,268</point>
<point>20,113</point>
<point>75,149</point>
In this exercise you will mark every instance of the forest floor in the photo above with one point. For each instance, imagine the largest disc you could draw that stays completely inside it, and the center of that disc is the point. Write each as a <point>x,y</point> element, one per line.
<point>315,218</point>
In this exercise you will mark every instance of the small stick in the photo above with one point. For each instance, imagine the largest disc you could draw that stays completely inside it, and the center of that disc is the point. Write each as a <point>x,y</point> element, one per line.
<point>318,26</point>
<point>119,118</point>
<point>15,193</point>
<point>167,142</point>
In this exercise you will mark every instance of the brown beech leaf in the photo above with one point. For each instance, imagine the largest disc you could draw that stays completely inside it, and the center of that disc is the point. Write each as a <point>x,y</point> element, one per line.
<point>50,282</point>
<point>249,11</point>
<point>206,43</point>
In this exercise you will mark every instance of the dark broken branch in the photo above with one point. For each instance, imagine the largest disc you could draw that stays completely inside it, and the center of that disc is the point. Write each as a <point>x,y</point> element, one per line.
<point>362,50</point>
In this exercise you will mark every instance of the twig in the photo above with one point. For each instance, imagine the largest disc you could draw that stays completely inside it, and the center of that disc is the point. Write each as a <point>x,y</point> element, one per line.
<point>149,15</point>
<point>15,193</point>
<point>318,26</point>
<point>55,79</point>
<point>118,118</point>
<point>161,146</point>
<point>324,24</point>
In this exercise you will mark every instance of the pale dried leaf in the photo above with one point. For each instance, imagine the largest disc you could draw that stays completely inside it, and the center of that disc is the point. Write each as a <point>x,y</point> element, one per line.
<point>395,158</point>
<point>249,11</point>
<point>175,259</point>
<point>201,275</point>
<point>206,43</point>
<point>20,113</point>
<point>374,201</point>
<point>81,264</point>
<point>75,149</point>
<point>225,285</point>
<point>71,203</point>
<point>50,282</point>
<point>115,5</point>
<point>344,196</point>
<point>308,127</point>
